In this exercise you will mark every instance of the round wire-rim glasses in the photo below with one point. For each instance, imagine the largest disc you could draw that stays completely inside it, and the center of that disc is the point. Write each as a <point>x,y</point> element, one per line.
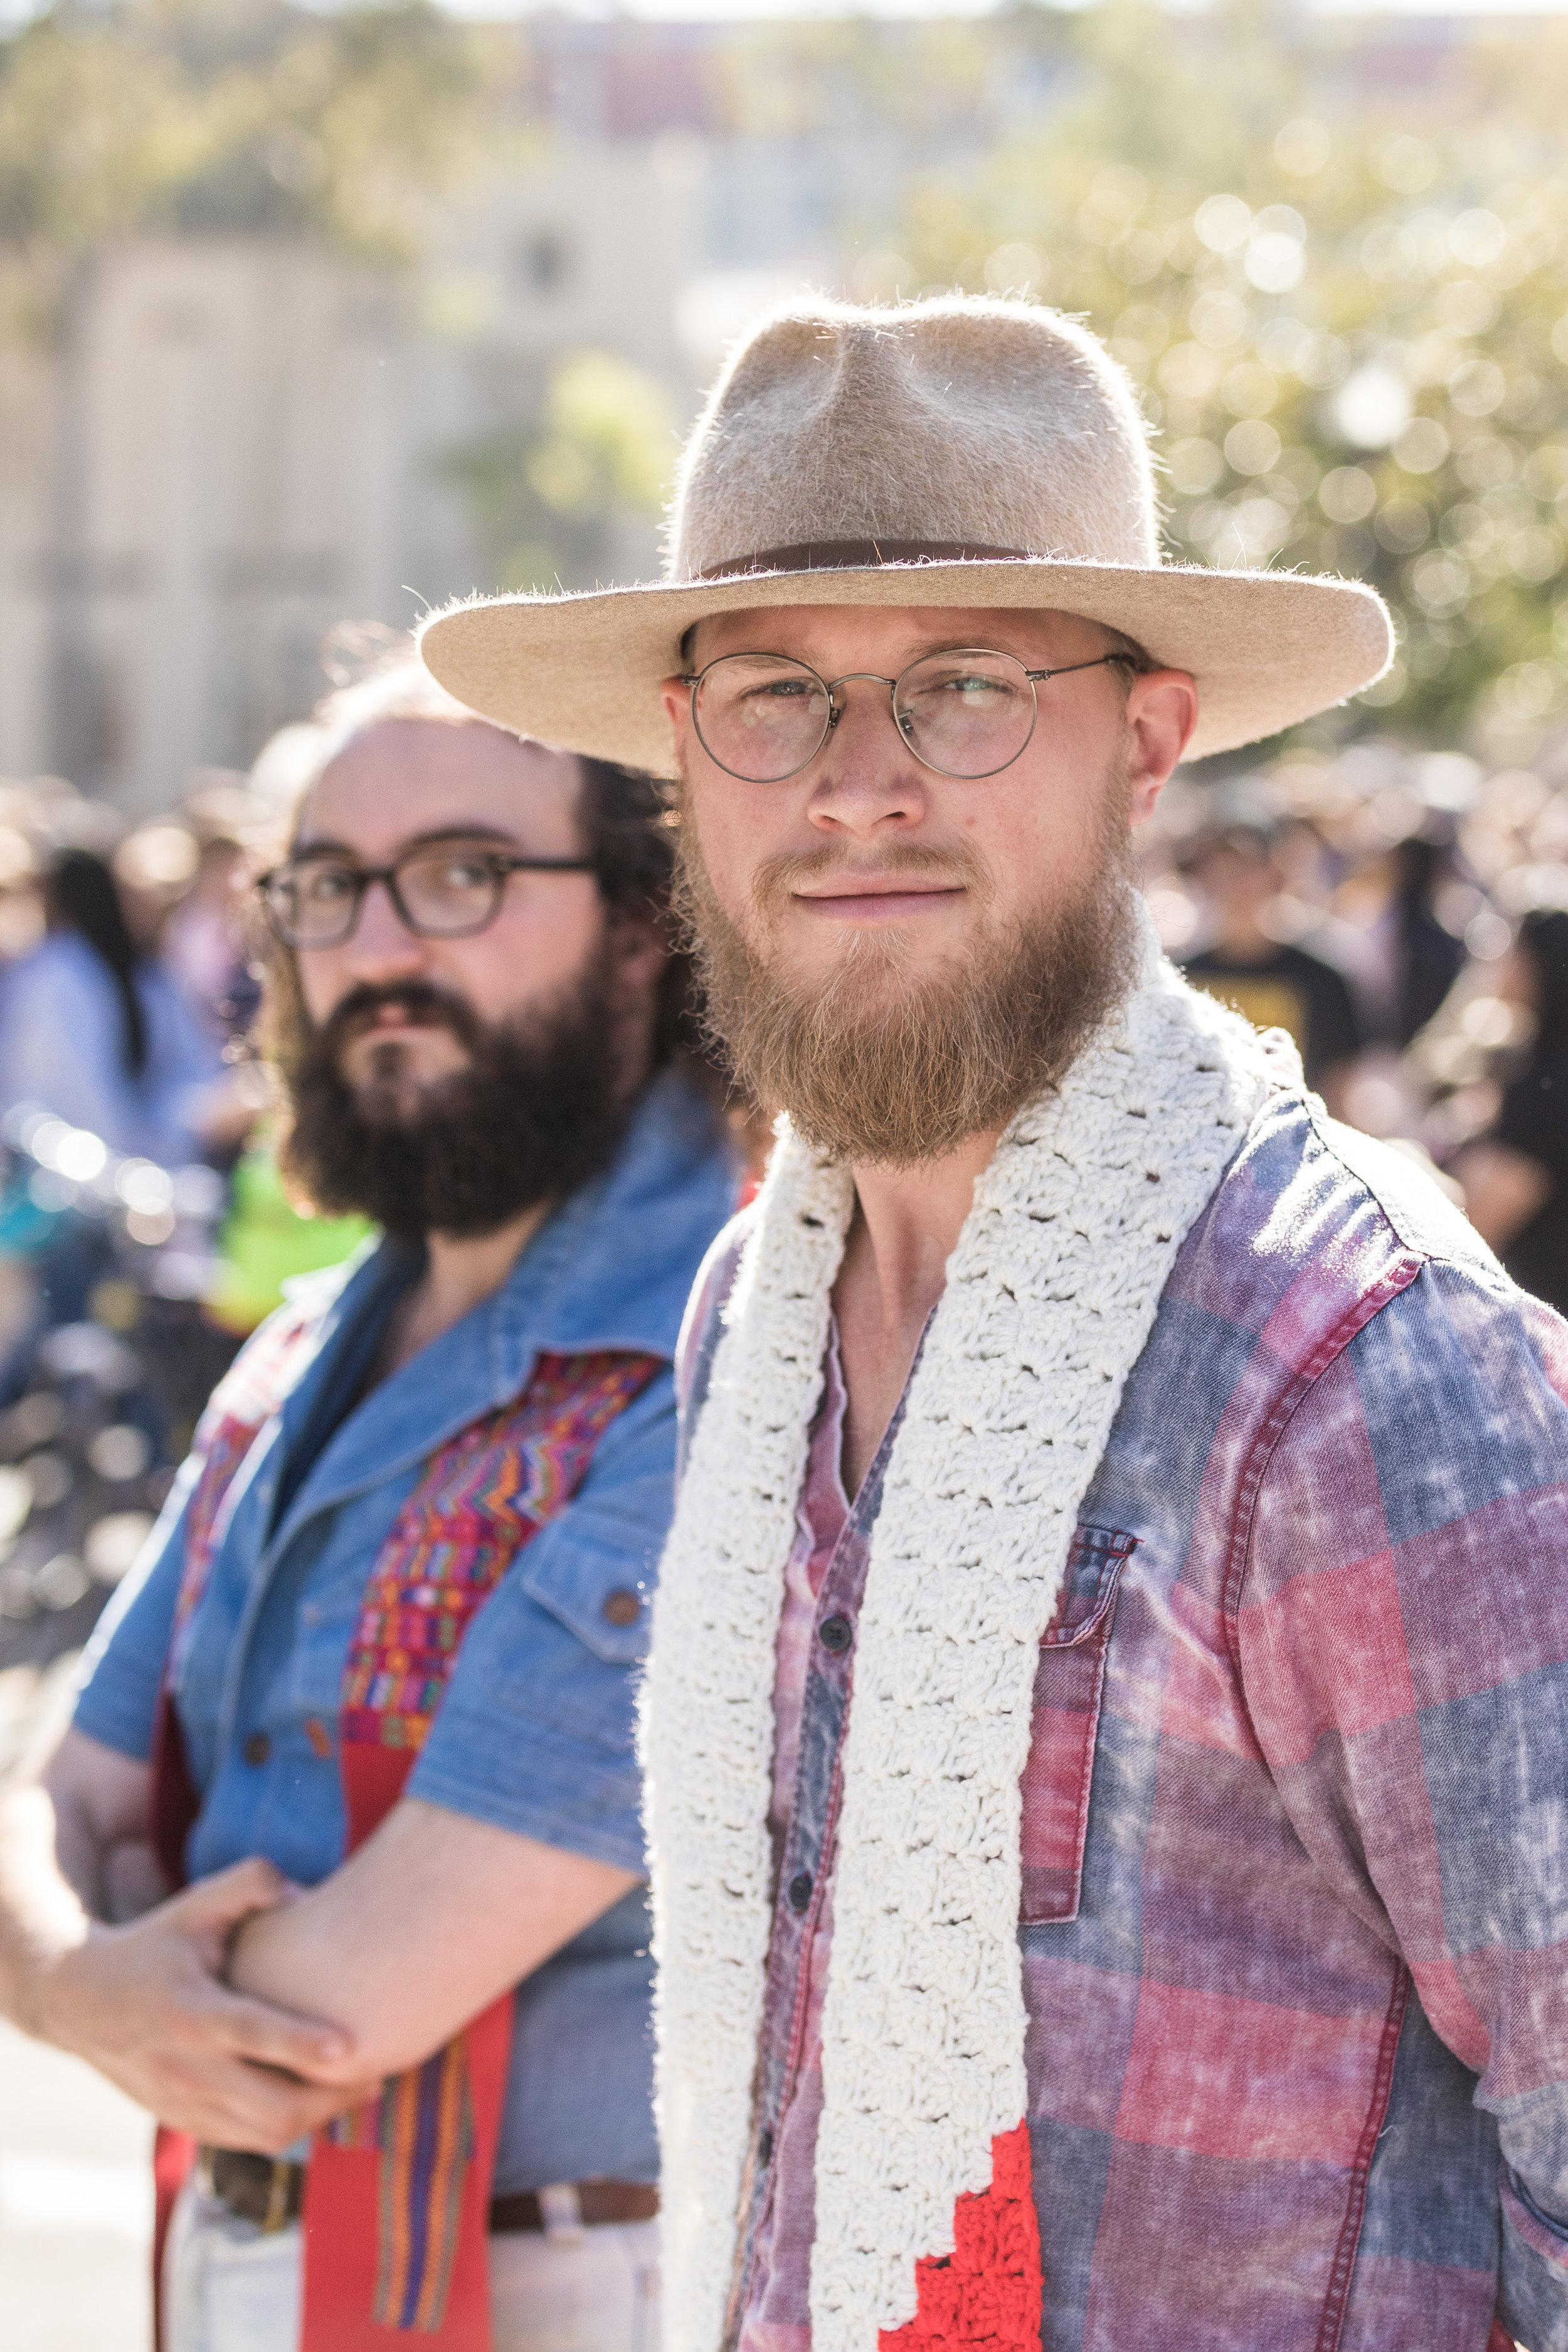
<point>745,696</point>
<point>428,894</point>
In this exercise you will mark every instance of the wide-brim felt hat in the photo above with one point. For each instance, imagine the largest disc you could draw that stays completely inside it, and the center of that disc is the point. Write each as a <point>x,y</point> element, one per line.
<point>953,453</point>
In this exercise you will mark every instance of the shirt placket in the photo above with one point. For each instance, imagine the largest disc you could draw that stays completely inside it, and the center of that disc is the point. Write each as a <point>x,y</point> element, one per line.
<point>806,1859</point>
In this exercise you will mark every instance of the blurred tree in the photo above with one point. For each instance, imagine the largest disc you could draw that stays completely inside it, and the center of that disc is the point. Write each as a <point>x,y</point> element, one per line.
<point>1345,301</point>
<point>230,116</point>
<point>548,496</point>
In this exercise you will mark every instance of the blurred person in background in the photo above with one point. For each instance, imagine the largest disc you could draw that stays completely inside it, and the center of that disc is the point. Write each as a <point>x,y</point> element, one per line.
<point>203,939</point>
<point>371,1690</point>
<point>269,1232</point>
<point>1276,984</point>
<point>94,1029</point>
<point>1428,957</point>
<point>1515,1177</point>
<point>1380,924</point>
<point>268,1236</point>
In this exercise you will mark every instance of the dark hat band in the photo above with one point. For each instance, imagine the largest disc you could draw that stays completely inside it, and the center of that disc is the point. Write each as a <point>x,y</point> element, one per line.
<point>859,555</point>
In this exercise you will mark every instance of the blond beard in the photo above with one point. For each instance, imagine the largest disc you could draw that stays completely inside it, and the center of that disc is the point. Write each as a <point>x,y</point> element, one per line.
<point>882,1063</point>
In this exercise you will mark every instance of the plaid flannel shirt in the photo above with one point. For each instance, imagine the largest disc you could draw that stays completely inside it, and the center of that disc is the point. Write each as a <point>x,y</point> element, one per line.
<point>1295,1842</point>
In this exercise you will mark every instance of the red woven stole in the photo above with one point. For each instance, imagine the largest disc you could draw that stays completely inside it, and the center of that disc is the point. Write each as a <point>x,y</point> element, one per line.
<point>397,2195</point>
<point>250,1393</point>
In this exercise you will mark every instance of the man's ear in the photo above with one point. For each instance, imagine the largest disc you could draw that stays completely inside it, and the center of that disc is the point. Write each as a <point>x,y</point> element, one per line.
<point>677,699</point>
<point>1161,712</point>
<point>640,952</point>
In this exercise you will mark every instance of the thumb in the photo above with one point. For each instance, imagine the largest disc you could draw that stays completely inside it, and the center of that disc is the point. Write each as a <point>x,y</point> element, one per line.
<point>222,1901</point>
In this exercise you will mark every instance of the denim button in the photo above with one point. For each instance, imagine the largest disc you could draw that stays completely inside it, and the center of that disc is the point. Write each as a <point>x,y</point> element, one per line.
<point>836,1633</point>
<point>258,1748</point>
<point>800,1890</point>
<point>623,1607</point>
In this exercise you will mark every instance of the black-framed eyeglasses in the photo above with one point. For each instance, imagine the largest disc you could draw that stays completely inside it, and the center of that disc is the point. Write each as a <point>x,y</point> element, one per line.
<point>438,891</point>
<point>967,713</point>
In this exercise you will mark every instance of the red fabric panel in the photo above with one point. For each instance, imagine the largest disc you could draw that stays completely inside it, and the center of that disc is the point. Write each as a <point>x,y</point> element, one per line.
<point>342,2188</point>
<point>174,2156</point>
<point>987,2292</point>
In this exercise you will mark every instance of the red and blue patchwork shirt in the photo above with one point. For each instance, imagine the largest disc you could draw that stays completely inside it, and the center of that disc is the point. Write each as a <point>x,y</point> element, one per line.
<point>1294,1930</point>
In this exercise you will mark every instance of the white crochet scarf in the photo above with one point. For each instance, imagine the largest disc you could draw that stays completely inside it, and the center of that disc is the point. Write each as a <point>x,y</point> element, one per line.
<point>1051,1293</point>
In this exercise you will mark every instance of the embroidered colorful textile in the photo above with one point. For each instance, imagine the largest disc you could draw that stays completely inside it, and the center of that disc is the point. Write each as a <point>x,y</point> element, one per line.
<point>425,2142</point>
<point>252,1390</point>
<point>482,1498</point>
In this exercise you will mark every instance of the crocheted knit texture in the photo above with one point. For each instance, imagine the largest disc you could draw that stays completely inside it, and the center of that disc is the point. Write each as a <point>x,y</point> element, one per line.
<point>1050,1296</point>
<point>986,2293</point>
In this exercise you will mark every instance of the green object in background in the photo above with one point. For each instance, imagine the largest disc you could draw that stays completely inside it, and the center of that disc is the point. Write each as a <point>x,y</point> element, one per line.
<point>265,1240</point>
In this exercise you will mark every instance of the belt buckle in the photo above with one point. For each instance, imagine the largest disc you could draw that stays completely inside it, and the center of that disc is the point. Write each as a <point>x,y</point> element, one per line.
<point>561,2210</point>
<point>276,2217</point>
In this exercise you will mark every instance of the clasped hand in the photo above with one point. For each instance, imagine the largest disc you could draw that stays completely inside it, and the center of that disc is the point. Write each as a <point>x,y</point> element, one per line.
<point>146,2003</point>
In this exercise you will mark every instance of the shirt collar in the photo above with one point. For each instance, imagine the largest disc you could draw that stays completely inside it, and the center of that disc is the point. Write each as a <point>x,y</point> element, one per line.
<point>609,1269</point>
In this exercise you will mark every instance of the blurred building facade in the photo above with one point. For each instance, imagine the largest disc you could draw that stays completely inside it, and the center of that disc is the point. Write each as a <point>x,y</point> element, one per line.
<point>239,441</point>
<point>236,441</point>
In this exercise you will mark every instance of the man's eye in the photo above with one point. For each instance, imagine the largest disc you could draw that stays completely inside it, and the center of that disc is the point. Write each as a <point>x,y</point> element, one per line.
<point>461,874</point>
<point>974,687</point>
<point>325,886</point>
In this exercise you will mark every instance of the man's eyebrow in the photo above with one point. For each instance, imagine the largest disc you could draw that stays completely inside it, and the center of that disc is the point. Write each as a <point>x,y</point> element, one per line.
<point>323,845</point>
<point>914,649</point>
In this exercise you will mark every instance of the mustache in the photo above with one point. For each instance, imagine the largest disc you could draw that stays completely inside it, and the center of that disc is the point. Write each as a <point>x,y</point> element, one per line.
<point>419,1001</point>
<point>776,879</point>
<point>537,1110</point>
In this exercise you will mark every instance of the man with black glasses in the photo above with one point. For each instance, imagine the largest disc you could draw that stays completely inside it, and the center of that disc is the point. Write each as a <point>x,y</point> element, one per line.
<point>368,1700</point>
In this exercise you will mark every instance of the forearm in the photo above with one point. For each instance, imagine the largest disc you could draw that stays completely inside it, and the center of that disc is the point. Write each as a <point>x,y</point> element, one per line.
<point>42,1915</point>
<point>432,1919</point>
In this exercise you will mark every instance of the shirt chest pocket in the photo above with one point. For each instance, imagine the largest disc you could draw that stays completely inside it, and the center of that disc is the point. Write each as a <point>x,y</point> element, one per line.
<point>1069,1683</point>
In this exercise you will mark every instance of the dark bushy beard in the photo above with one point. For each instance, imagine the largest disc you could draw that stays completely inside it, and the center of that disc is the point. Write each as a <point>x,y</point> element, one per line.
<point>882,1065</point>
<point>536,1112</point>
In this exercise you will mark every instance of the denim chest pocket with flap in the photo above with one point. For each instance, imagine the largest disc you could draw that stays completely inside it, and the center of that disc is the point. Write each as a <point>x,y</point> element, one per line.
<point>1068,1682</point>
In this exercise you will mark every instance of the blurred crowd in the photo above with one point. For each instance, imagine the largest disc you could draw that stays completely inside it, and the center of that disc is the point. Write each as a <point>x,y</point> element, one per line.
<point>144,1230</point>
<point>127,998</point>
<point>1404,917</point>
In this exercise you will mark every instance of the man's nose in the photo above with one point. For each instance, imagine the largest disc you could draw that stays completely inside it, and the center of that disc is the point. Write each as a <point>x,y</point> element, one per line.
<point>382,943</point>
<point>867,776</point>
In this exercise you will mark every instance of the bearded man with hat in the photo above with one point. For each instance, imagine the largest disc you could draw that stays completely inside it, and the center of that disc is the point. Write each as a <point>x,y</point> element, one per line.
<point>1103,1731</point>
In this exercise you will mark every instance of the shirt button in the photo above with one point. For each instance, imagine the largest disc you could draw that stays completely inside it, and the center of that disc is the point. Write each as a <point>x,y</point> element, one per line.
<point>836,1633</point>
<point>623,1607</point>
<point>800,1890</point>
<point>257,1748</point>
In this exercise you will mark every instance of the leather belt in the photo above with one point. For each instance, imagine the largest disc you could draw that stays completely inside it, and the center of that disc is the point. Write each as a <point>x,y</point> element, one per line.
<point>574,2206</point>
<point>268,2191</point>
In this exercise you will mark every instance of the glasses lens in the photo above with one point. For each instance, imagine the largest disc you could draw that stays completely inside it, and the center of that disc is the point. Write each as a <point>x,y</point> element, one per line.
<point>312,905</point>
<point>449,891</point>
<point>965,714</point>
<point>761,717</point>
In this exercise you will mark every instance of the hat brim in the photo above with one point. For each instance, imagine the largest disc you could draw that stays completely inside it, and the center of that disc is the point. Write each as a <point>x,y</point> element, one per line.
<point>582,670</point>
